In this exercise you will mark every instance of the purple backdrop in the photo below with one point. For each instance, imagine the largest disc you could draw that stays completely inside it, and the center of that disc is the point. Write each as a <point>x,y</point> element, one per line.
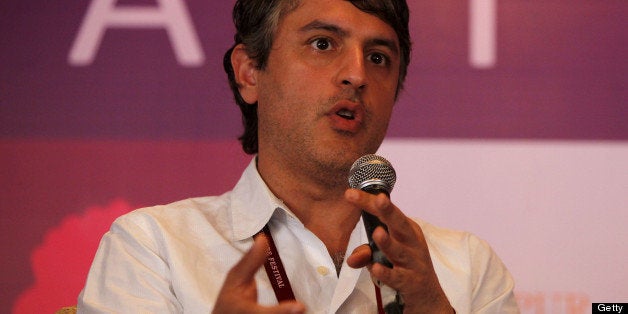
<point>138,124</point>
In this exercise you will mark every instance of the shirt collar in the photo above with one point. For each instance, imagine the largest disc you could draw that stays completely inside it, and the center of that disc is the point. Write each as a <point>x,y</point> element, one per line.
<point>252,204</point>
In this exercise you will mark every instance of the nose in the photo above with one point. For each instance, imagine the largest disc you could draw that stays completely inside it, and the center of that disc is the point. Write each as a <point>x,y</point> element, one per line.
<point>352,70</point>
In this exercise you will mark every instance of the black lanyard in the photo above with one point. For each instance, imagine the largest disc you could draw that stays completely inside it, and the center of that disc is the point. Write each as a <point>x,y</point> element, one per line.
<point>277,273</point>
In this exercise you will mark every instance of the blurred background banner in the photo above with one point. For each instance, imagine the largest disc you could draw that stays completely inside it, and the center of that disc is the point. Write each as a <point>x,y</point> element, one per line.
<point>513,125</point>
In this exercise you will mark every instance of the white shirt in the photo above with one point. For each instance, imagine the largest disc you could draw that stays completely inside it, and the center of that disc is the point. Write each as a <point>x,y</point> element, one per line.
<point>174,259</point>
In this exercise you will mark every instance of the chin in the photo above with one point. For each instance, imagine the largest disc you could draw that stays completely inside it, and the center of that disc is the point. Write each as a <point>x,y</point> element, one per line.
<point>344,159</point>
<point>340,155</point>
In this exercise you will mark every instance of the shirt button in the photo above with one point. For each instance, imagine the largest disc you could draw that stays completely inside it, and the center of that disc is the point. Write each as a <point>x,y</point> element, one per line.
<point>322,270</point>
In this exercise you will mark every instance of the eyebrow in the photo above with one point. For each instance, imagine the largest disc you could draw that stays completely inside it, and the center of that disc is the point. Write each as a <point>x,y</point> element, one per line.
<point>320,25</point>
<point>375,41</point>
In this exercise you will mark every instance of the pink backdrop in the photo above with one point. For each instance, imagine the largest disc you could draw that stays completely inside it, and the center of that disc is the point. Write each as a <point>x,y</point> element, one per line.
<point>512,125</point>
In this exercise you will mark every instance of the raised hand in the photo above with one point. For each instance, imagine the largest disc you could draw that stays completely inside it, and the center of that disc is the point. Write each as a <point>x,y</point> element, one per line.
<point>239,293</point>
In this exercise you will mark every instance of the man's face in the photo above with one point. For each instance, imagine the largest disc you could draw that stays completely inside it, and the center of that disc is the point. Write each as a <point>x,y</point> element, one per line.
<point>328,89</point>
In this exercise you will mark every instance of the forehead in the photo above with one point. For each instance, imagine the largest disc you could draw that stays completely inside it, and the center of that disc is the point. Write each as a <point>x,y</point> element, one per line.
<point>341,13</point>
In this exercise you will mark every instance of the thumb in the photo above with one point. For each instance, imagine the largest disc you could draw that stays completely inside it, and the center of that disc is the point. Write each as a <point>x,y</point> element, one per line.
<point>360,257</point>
<point>244,271</point>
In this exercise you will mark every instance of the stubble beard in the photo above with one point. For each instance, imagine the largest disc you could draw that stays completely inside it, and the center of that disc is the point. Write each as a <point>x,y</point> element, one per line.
<point>324,166</point>
<point>324,163</point>
<point>327,163</point>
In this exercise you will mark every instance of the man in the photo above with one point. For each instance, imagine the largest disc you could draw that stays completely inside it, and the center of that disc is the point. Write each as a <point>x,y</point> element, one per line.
<point>316,81</point>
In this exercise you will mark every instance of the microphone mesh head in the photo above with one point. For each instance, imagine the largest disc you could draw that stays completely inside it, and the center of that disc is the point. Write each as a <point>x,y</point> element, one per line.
<point>372,170</point>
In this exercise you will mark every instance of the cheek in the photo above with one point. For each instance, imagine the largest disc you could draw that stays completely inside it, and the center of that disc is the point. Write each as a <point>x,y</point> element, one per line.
<point>279,107</point>
<point>381,115</point>
<point>385,100</point>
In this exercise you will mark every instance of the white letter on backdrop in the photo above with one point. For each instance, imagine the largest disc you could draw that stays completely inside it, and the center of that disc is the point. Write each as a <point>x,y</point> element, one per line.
<point>169,14</point>
<point>482,33</point>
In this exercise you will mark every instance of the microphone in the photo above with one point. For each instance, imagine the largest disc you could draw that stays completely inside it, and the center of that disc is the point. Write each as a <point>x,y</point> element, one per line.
<point>373,174</point>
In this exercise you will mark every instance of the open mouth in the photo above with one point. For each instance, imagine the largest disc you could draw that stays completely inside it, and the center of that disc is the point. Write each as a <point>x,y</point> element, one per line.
<point>346,114</point>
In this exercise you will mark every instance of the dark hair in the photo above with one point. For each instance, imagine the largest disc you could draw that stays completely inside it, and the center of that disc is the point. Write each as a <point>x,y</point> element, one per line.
<point>256,22</point>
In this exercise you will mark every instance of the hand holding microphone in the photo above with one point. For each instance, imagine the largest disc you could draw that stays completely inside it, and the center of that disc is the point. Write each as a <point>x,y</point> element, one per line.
<point>400,258</point>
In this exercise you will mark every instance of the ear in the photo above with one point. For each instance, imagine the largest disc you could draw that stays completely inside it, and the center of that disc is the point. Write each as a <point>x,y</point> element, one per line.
<point>245,71</point>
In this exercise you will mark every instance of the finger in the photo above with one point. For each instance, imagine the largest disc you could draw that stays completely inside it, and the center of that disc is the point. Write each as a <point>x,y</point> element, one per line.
<point>360,257</point>
<point>376,204</point>
<point>398,254</point>
<point>285,307</point>
<point>405,249</point>
<point>384,275</point>
<point>381,206</point>
<point>244,271</point>
<point>398,223</point>
<point>400,227</point>
<point>237,306</point>
<point>248,266</point>
<point>240,282</point>
<point>398,278</point>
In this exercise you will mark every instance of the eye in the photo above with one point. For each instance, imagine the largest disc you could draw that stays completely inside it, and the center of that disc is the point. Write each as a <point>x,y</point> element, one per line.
<point>378,58</point>
<point>321,44</point>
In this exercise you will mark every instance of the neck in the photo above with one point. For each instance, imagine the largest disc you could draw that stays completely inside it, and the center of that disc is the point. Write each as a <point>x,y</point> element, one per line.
<point>317,202</point>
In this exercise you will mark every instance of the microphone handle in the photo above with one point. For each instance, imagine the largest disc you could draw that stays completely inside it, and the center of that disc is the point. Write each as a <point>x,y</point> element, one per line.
<point>370,223</point>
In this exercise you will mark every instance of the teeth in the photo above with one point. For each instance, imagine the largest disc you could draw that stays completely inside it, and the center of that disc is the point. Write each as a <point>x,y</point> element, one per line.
<point>345,114</point>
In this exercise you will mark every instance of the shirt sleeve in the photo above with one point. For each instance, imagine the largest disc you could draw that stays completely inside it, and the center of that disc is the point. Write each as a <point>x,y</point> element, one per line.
<point>129,273</point>
<point>493,286</point>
